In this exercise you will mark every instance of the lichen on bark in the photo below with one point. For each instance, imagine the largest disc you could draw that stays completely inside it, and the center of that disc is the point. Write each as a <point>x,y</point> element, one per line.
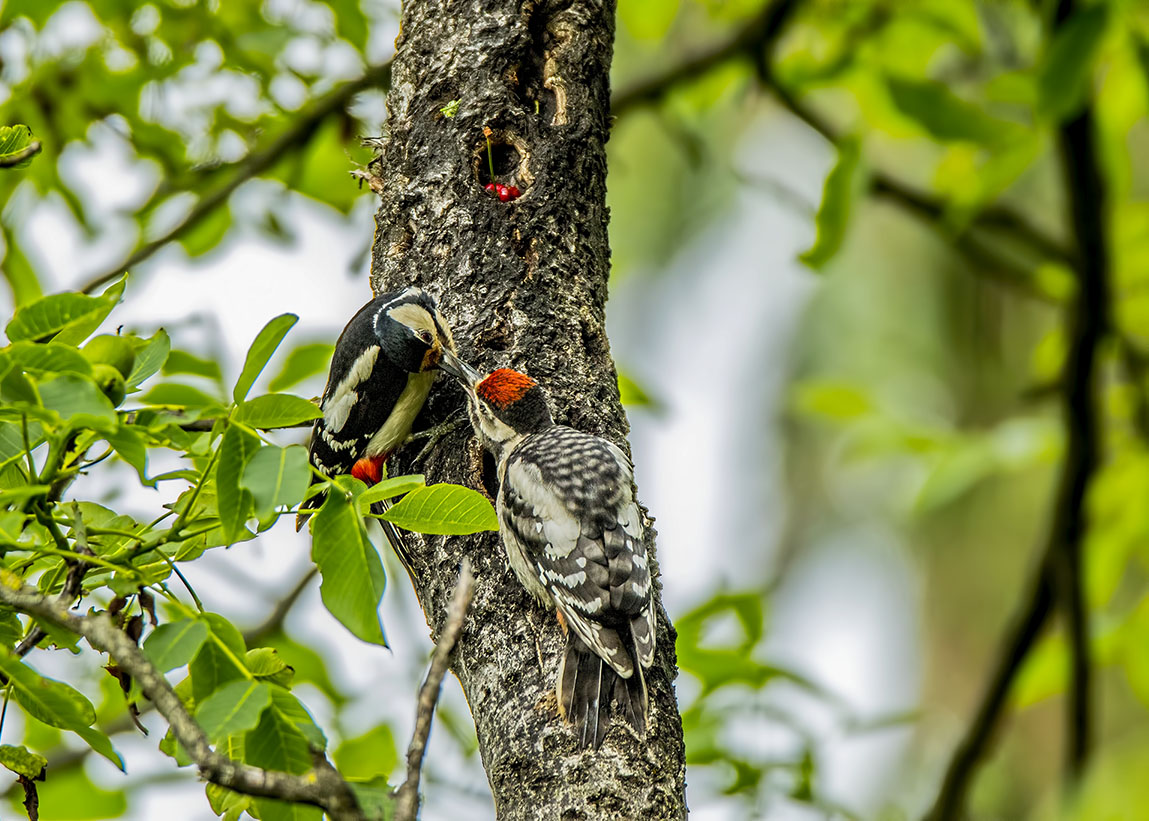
<point>524,284</point>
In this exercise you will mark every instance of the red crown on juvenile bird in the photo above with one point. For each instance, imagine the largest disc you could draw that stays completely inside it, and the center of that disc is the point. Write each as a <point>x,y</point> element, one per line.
<point>504,387</point>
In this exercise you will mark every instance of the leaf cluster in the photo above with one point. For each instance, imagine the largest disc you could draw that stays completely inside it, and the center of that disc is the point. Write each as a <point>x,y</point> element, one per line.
<point>73,404</point>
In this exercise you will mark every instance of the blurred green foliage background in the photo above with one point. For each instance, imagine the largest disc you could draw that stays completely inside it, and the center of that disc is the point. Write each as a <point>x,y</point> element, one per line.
<point>887,175</point>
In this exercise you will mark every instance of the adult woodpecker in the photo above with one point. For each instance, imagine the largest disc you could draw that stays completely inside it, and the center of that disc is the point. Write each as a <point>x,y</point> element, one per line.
<point>575,539</point>
<point>384,364</point>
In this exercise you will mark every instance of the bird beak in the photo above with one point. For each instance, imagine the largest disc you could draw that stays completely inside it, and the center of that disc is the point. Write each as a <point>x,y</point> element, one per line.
<point>459,369</point>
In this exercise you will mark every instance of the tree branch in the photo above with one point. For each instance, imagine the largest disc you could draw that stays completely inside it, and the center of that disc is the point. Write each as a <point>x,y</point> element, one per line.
<point>322,787</point>
<point>1060,571</point>
<point>407,797</point>
<point>254,164</point>
<point>1089,322</point>
<point>27,152</point>
<point>274,622</point>
<point>1019,640</point>
<point>765,27</point>
<point>756,40</point>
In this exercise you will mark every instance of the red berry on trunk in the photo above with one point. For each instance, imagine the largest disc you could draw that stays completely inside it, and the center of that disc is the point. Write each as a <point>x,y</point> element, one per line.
<point>503,193</point>
<point>514,192</point>
<point>490,186</point>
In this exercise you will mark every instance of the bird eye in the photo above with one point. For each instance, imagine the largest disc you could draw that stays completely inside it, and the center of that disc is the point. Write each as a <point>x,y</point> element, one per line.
<point>426,337</point>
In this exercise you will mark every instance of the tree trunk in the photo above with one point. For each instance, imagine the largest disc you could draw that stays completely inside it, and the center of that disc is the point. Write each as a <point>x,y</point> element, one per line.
<point>524,284</point>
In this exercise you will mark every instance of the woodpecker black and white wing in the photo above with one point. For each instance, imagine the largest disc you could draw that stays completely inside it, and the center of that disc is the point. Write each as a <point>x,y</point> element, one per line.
<point>362,387</point>
<point>574,536</point>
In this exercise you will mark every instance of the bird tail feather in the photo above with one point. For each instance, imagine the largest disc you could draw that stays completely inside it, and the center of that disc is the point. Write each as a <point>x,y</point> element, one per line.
<point>586,687</point>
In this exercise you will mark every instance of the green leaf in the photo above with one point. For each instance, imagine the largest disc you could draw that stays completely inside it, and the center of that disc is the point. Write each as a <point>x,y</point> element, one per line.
<point>445,509</point>
<point>307,665</point>
<point>78,402</point>
<point>47,317</point>
<point>235,502</point>
<point>50,701</point>
<point>352,572</point>
<point>13,140</point>
<point>12,496</point>
<point>22,761</point>
<point>184,362</point>
<point>275,744</point>
<point>303,362</point>
<point>371,754</point>
<point>100,743</point>
<point>260,352</point>
<point>276,476</point>
<point>233,708</point>
<point>12,439</point>
<point>834,211</point>
<point>219,660</point>
<point>265,663</point>
<point>272,810</point>
<point>150,357</point>
<point>633,395</point>
<point>129,446</point>
<point>277,410</point>
<point>227,804</point>
<point>172,394</point>
<point>376,797</point>
<point>390,488</point>
<point>51,357</point>
<point>1064,73</point>
<point>207,232</point>
<point>174,644</point>
<point>291,710</point>
<point>11,630</point>
<point>944,115</point>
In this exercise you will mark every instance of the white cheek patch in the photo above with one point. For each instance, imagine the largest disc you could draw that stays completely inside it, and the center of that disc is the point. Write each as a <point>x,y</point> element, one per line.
<point>338,406</point>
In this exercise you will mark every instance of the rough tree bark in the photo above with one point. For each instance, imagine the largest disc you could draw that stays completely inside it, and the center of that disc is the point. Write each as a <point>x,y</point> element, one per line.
<point>524,284</point>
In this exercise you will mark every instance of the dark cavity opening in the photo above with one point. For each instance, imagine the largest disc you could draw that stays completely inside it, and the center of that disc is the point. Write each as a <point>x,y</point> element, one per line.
<point>504,157</point>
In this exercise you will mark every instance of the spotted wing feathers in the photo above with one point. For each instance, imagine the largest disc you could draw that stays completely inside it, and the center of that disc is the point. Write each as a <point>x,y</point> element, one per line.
<point>574,536</point>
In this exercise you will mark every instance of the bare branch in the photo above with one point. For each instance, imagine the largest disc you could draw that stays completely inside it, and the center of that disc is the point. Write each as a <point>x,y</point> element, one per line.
<point>1060,571</point>
<point>756,40</point>
<point>1088,325</point>
<point>274,621</point>
<point>27,152</point>
<point>322,787</point>
<point>302,128</point>
<point>752,36</point>
<point>407,796</point>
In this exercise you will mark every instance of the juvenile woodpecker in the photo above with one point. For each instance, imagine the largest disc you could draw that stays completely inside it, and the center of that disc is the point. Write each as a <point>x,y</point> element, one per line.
<point>384,364</point>
<point>575,539</point>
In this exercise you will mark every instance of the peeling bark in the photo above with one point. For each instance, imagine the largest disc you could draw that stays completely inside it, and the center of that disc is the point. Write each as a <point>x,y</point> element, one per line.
<point>524,284</point>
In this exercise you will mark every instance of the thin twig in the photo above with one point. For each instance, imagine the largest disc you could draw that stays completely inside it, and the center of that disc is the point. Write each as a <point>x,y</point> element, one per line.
<point>254,164</point>
<point>756,40</point>
<point>741,43</point>
<point>322,787</point>
<point>25,153</point>
<point>407,796</point>
<point>274,621</point>
<point>73,585</point>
